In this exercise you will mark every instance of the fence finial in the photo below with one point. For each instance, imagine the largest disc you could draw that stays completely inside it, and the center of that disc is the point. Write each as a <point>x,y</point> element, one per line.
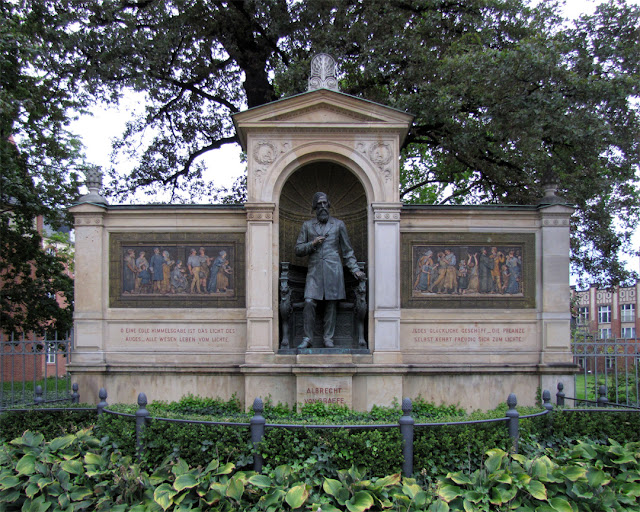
<point>560,395</point>
<point>258,406</point>
<point>602,399</point>
<point>102,394</point>
<point>39,399</point>
<point>75,396</point>
<point>546,400</point>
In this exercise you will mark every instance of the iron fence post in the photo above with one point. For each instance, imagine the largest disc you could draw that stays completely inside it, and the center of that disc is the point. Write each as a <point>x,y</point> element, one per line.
<point>546,400</point>
<point>406,429</point>
<point>514,421</point>
<point>141,420</point>
<point>602,399</point>
<point>39,399</point>
<point>102,394</point>
<point>75,396</point>
<point>560,395</point>
<point>257,432</point>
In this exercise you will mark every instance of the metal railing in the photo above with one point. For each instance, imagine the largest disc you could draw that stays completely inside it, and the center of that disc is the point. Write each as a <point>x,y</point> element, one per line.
<point>610,362</point>
<point>257,425</point>
<point>29,362</point>
<point>406,424</point>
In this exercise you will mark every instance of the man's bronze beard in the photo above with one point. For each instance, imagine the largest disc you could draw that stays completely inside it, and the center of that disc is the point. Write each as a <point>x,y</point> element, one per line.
<point>322,215</point>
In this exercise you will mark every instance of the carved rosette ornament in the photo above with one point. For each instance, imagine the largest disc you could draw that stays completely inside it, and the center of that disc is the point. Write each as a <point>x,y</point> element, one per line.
<point>260,216</point>
<point>323,73</point>
<point>88,221</point>
<point>266,153</point>
<point>555,222</point>
<point>380,155</point>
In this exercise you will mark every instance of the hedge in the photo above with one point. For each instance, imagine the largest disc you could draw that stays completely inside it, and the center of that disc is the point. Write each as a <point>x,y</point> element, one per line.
<point>437,450</point>
<point>78,472</point>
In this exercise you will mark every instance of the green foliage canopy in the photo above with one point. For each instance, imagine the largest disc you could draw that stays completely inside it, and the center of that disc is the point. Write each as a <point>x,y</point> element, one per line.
<point>39,161</point>
<point>507,96</point>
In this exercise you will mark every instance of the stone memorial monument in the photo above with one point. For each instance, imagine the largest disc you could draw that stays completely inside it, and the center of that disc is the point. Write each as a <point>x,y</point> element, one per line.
<point>210,299</point>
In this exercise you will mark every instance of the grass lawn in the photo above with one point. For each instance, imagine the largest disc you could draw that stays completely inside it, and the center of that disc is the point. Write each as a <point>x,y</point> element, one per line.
<point>587,388</point>
<point>17,393</point>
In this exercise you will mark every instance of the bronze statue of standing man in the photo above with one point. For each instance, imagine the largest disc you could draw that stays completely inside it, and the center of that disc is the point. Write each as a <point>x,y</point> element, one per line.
<point>323,239</point>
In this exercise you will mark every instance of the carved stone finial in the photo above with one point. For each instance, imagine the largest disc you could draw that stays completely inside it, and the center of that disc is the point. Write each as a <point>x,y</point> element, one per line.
<point>323,73</point>
<point>93,181</point>
<point>550,195</point>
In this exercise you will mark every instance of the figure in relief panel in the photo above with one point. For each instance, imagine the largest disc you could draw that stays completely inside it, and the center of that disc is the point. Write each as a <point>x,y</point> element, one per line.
<point>193,264</point>
<point>466,270</point>
<point>474,280</point>
<point>203,275</point>
<point>179,281</point>
<point>167,263</point>
<point>325,241</point>
<point>143,272</point>
<point>129,272</point>
<point>485,266</point>
<point>219,274</point>
<point>514,264</point>
<point>425,266</point>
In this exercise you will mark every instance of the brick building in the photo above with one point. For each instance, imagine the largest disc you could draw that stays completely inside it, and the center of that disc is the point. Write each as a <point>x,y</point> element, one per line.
<point>27,357</point>
<point>606,323</point>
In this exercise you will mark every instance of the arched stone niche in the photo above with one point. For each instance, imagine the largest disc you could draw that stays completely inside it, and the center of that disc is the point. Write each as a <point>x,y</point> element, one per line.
<point>348,203</point>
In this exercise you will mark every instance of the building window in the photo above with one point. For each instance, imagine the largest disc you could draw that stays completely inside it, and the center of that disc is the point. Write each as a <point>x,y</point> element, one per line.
<point>609,362</point>
<point>51,353</point>
<point>628,332</point>
<point>581,362</point>
<point>628,312</point>
<point>604,314</point>
<point>583,315</point>
<point>604,334</point>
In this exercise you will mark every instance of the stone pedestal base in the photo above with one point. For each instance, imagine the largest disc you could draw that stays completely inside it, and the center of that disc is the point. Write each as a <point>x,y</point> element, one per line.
<point>350,380</point>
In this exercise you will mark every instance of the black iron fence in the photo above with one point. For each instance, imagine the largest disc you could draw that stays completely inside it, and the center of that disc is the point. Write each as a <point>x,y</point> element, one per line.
<point>406,424</point>
<point>258,424</point>
<point>33,369</point>
<point>610,362</point>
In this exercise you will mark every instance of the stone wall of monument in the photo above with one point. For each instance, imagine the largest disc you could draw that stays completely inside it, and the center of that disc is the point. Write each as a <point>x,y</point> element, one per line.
<point>162,331</point>
<point>160,300</point>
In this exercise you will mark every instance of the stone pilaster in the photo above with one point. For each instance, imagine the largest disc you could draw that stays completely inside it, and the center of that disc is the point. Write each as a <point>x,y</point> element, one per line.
<point>555,313</point>
<point>386,282</point>
<point>260,272</point>
<point>90,283</point>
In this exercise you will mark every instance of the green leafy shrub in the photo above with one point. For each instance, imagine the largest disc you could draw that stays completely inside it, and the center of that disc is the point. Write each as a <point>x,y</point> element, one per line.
<point>72,472</point>
<point>437,449</point>
<point>190,404</point>
<point>587,476</point>
<point>562,428</point>
<point>78,472</point>
<point>197,444</point>
<point>50,424</point>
